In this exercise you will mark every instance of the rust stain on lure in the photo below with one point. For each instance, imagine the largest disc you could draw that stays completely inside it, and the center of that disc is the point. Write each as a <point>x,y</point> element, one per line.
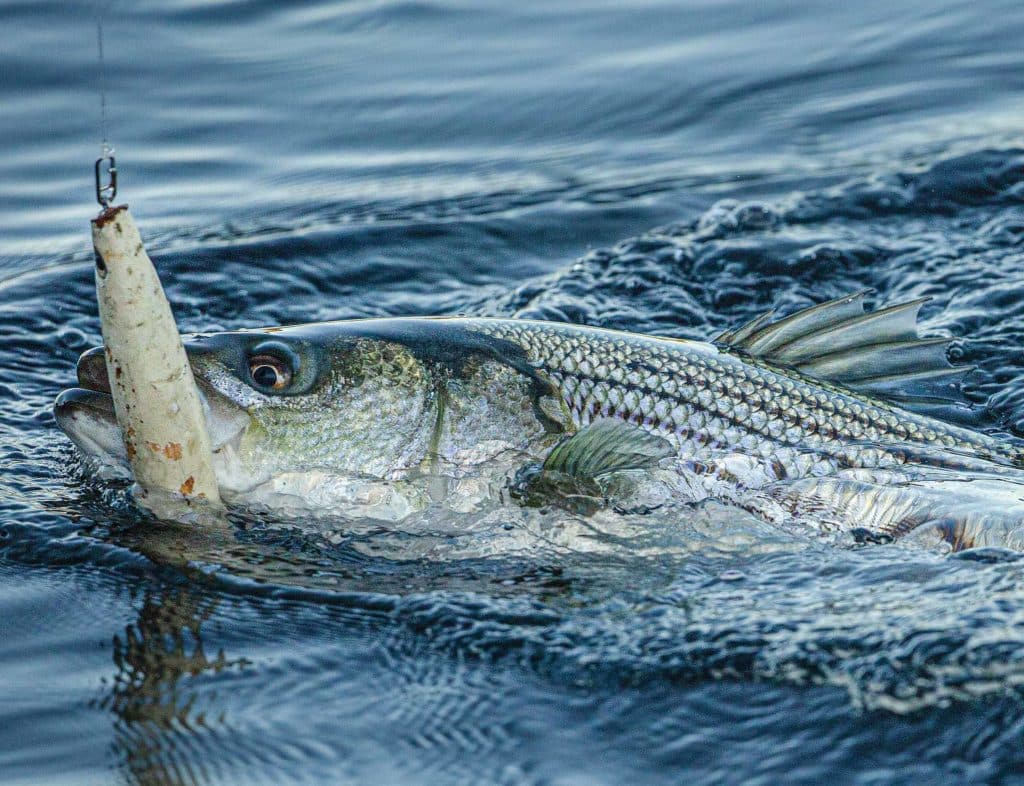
<point>171,450</point>
<point>108,215</point>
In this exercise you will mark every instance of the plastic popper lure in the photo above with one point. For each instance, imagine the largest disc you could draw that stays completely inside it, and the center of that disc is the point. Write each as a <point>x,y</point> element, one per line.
<point>156,401</point>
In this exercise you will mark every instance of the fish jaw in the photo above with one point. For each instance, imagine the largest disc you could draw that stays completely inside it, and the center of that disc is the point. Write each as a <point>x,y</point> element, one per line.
<point>86,415</point>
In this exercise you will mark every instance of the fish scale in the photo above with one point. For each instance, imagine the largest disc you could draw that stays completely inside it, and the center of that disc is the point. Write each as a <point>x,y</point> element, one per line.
<point>710,402</point>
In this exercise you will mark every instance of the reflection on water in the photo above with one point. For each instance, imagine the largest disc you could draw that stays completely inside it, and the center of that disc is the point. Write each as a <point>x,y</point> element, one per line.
<point>158,658</point>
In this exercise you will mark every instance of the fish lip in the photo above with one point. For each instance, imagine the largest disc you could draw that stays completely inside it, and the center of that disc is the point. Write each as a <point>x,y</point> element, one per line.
<point>86,413</point>
<point>87,417</point>
<point>75,399</point>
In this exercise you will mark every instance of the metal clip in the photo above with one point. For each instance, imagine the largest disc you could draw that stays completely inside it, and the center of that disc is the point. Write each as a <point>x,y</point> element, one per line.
<point>105,192</point>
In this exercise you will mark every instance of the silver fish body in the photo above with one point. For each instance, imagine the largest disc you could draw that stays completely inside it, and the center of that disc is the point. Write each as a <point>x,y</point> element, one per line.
<point>400,400</point>
<point>777,441</point>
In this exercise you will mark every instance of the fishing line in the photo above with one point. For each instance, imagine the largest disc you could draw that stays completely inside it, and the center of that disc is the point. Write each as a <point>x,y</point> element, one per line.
<point>102,80</point>
<point>106,181</point>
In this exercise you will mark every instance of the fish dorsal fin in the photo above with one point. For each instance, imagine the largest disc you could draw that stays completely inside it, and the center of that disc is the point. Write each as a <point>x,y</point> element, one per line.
<point>761,337</point>
<point>606,445</point>
<point>876,352</point>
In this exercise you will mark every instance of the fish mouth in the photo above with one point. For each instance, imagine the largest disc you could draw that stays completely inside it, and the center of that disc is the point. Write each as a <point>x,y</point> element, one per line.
<point>87,417</point>
<point>86,413</point>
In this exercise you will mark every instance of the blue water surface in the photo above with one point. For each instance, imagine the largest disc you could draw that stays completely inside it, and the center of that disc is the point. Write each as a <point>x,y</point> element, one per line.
<point>672,168</point>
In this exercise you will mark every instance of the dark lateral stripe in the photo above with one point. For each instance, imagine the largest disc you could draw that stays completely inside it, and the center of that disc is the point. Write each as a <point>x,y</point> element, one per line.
<point>595,410</point>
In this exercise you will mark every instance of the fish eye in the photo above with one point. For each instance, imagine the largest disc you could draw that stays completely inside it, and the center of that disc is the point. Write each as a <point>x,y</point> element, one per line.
<point>270,372</point>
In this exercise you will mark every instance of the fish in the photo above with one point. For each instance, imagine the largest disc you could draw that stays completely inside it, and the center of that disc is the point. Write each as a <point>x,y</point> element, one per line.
<point>824,417</point>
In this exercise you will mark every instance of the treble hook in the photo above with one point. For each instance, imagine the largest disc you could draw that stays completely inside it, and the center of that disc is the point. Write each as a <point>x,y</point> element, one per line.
<point>105,192</point>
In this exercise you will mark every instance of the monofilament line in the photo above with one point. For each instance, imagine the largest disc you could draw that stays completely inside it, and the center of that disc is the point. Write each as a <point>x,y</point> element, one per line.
<point>105,149</point>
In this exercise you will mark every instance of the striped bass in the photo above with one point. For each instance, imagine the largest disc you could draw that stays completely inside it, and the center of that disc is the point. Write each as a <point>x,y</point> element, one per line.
<point>820,417</point>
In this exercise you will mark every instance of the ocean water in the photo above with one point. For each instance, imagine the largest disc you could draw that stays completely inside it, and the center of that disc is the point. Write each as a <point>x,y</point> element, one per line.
<point>673,168</point>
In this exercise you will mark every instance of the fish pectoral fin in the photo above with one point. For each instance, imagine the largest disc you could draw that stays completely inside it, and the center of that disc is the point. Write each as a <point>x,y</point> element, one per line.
<point>876,352</point>
<point>606,445</point>
<point>569,476</point>
<point>535,487</point>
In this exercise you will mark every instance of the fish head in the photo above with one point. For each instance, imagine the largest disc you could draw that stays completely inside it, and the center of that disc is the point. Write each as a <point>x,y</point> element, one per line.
<point>384,399</point>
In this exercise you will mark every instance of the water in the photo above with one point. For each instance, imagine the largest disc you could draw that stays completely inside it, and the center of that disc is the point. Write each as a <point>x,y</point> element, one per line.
<point>654,168</point>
